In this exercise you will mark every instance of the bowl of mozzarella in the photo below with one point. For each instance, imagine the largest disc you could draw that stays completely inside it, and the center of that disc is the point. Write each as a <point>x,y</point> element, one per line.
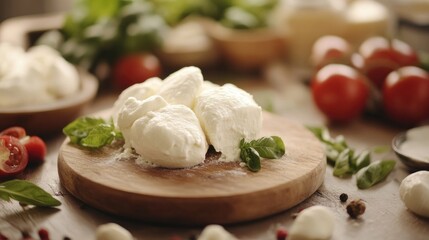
<point>40,90</point>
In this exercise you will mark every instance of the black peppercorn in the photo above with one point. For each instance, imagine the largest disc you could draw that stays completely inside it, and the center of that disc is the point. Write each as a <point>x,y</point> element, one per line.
<point>344,197</point>
<point>356,208</point>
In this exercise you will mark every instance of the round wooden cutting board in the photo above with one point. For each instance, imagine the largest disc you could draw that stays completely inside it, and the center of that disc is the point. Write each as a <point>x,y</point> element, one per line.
<point>213,192</point>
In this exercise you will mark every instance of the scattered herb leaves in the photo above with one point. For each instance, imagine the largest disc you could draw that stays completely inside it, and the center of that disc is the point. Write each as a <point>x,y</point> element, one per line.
<point>374,173</point>
<point>91,132</point>
<point>27,193</point>
<point>347,162</point>
<point>265,147</point>
<point>360,161</point>
<point>342,166</point>
<point>333,146</point>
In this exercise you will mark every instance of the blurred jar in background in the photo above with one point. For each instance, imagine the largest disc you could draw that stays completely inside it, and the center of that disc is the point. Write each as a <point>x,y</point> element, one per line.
<point>303,22</point>
<point>366,18</point>
<point>413,22</point>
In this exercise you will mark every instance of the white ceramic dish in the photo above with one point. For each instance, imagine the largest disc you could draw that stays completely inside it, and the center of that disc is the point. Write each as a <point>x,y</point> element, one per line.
<point>410,159</point>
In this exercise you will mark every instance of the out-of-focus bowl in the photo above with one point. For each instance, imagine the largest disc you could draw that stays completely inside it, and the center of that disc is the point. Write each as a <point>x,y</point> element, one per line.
<point>247,49</point>
<point>188,44</point>
<point>49,118</point>
<point>178,59</point>
<point>409,160</point>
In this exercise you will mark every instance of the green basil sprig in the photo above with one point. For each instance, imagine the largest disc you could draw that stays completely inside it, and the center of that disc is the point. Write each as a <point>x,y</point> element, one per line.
<point>342,166</point>
<point>347,162</point>
<point>27,193</point>
<point>91,132</point>
<point>374,173</point>
<point>251,157</point>
<point>265,147</point>
<point>333,146</point>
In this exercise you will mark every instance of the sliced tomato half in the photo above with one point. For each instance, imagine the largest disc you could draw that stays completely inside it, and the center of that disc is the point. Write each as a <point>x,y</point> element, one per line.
<point>13,156</point>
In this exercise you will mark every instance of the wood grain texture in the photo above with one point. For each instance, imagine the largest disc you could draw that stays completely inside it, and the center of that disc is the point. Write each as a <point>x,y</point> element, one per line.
<point>210,193</point>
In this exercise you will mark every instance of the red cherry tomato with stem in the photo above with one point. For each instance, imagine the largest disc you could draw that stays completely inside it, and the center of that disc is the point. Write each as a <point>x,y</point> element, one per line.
<point>13,156</point>
<point>135,68</point>
<point>340,92</point>
<point>406,96</point>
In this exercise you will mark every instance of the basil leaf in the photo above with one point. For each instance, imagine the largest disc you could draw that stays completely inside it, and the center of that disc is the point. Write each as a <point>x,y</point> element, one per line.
<point>266,147</point>
<point>360,161</point>
<point>80,128</point>
<point>99,136</point>
<point>342,165</point>
<point>251,158</point>
<point>331,154</point>
<point>333,146</point>
<point>27,192</point>
<point>321,133</point>
<point>91,132</point>
<point>346,163</point>
<point>269,147</point>
<point>4,196</point>
<point>374,173</point>
<point>243,144</point>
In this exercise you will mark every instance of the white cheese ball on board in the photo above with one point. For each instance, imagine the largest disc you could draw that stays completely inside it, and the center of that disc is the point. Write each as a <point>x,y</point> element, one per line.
<point>414,192</point>
<point>313,223</point>
<point>207,85</point>
<point>134,109</point>
<point>170,137</point>
<point>140,91</point>
<point>228,114</point>
<point>182,86</point>
<point>112,231</point>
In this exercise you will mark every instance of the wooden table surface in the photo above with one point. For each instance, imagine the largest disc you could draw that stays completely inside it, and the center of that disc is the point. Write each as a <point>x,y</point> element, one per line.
<point>386,217</point>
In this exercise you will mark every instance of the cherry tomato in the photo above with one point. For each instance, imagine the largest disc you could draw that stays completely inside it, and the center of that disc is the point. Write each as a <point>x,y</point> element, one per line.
<point>406,95</point>
<point>340,92</point>
<point>36,149</point>
<point>136,68</point>
<point>330,49</point>
<point>381,56</point>
<point>374,69</point>
<point>13,156</point>
<point>404,54</point>
<point>17,132</point>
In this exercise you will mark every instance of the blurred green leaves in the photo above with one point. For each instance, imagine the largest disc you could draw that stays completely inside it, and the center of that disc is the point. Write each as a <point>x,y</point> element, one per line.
<point>247,14</point>
<point>103,30</point>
